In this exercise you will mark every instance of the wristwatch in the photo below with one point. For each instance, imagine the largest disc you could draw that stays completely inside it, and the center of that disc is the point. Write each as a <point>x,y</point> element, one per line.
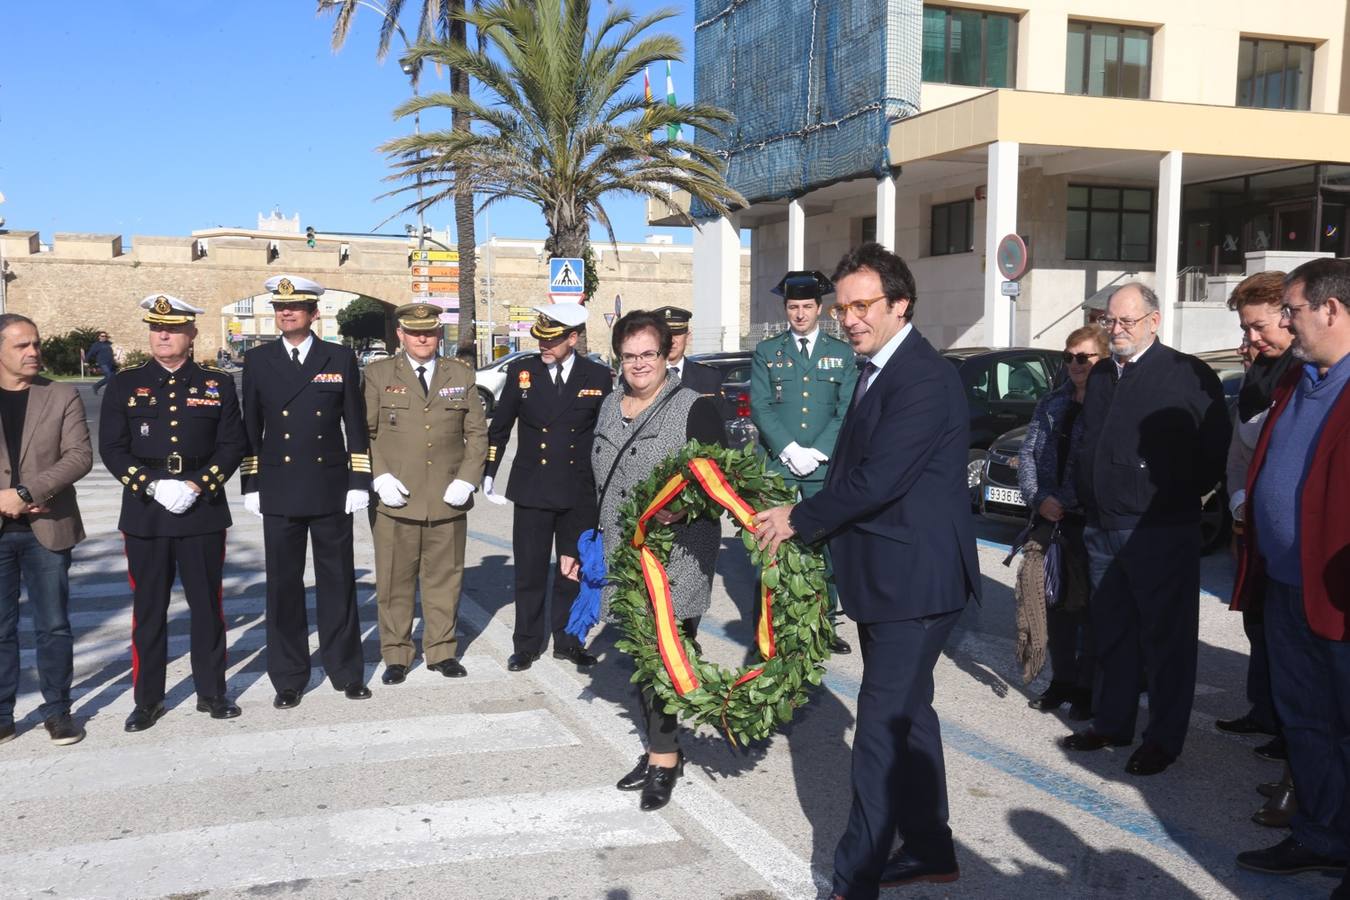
<point>23,493</point>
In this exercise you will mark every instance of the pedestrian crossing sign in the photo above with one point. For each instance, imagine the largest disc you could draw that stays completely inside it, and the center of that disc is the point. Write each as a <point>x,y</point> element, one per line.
<point>566,275</point>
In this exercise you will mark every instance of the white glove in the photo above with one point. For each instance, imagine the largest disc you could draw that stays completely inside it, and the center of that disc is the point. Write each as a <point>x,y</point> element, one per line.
<point>185,501</point>
<point>357,500</point>
<point>458,493</point>
<point>820,457</point>
<point>391,490</point>
<point>799,460</point>
<point>169,494</point>
<point>487,491</point>
<point>253,503</point>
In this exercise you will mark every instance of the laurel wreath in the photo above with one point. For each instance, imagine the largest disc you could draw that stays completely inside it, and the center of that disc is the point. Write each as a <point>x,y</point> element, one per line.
<point>749,703</point>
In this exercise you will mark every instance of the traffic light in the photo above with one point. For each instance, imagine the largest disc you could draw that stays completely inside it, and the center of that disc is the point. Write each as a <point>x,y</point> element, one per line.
<point>309,235</point>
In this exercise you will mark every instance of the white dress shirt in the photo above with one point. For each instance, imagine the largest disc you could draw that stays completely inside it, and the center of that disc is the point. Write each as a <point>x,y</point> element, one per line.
<point>810,340</point>
<point>429,365</point>
<point>303,347</point>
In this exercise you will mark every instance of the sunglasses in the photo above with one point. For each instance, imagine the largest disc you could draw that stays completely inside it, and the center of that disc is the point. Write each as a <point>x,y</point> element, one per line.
<point>1081,358</point>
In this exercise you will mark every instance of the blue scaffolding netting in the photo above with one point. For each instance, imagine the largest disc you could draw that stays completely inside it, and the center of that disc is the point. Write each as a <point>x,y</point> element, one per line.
<point>813,85</point>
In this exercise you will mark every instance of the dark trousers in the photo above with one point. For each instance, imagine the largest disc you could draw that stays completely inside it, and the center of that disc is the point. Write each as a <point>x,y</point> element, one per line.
<point>1258,669</point>
<point>339,625</point>
<point>46,575</point>
<point>1068,631</point>
<point>899,777</point>
<point>108,373</point>
<point>535,534</point>
<point>1310,681</point>
<point>199,560</point>
<point>662,727</point>
<point>1145,618</point>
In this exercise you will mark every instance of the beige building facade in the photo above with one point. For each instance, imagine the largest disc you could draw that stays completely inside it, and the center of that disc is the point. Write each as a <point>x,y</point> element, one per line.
<point>97,280</point>
<point>1180,144</point>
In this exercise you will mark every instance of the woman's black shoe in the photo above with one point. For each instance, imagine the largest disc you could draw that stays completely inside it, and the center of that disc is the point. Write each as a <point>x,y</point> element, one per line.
<point>1055,696</point>
<point>635,779</point>
<point>660,782</point>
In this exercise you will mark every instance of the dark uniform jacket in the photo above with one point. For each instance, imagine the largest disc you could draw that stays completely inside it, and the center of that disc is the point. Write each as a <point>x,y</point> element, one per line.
<point>700,378</point>
<point>181,425</point>
<point>295,420</point>
<point>552,468</point>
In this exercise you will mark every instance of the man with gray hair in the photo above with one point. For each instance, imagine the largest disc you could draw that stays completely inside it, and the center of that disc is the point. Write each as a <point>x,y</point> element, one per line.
<point>1155,440</point>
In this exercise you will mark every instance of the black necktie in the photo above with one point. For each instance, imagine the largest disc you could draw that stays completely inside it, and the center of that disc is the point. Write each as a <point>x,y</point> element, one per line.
<point>558,379</point>
<point>805,352</point>
<point>295,356</point>
<point>868,370</point>
<point>422,378</point>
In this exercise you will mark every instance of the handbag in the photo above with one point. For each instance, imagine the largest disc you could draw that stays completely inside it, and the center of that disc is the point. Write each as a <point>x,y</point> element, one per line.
<point>591,547</point>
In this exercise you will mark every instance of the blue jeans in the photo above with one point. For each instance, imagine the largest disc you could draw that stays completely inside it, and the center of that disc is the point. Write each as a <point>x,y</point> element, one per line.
<point>46,574</point>
<point>1310,683</point>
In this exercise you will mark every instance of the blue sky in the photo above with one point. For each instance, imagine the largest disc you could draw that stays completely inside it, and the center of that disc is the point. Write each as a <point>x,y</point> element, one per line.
<point>159,117</point>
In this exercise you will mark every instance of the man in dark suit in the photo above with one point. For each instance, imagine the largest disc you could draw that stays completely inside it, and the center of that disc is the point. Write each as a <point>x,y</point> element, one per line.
<point>693,375</point>
<point>44,450</point>
<point>170,431</point>
<point>895,509</point>
<point>556,398</point>
<point>1155,440</point>
<point>301,395</point>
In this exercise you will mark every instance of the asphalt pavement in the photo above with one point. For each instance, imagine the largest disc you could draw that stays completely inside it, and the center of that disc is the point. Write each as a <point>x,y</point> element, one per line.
<point>500,785</point>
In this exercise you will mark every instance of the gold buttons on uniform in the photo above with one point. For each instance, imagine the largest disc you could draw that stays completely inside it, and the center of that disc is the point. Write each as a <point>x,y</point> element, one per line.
<point>318,459</point>
<point>804,409</point>
<point>318,412</point>
<point>803,424</point>
<point>285,412</point>
<point>287,436</point>
<point>174,423</point>
<point>173,409</point>
<point>428,443</point>
<point>806,393</point>
<point>543,446</point>
<point>174,438</point>
<point>172,395</point>
<point>285,459</point>
<point>543,462</point>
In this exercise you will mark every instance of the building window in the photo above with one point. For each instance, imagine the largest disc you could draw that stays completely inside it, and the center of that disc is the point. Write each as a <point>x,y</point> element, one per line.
<point>869,229</point>
<point>1110,223</point>
<point>952,226</point>
<point>1274,74</point>
<point>966,46</point>
<point>1108,60</point>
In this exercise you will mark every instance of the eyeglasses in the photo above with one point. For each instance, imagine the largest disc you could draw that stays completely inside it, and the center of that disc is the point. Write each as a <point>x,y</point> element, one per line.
<point>1287,311</point>
<point>1109,322</point>
<point>859,308</point>
<point>648,356</point>
<point>1080,358</point>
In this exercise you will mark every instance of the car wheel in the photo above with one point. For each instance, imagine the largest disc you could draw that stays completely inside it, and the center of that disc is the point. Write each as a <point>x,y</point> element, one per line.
<point>1213,521</point>
<point>485,397</point>
<point>975,474</point>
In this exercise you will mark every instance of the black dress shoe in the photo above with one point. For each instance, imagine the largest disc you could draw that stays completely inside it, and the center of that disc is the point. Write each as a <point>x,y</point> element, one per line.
<point>1288,857</point>
<point>1149,759</point>
<point>1268,789</point>
<point>1090,740</point>
<point>287,698</point>
<point>902,868</point>
<point>636,778</point>
<point>144,717</point>
<point>1281,804</point>
<point>577,656</point>
<point>356,691</point>
<point>519,662</point>
<point>1243,725</point>
<point>394,674</point>
<point>840,646</point>
<point>450,668</point>
<point>1273,750</point>
<point>660,782</point>
<point>1055,696</point>
<point>218,707</point>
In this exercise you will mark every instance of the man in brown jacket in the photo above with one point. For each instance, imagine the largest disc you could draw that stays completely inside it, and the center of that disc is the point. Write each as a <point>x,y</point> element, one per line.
<point>44,450</point>
<point>428,443</point>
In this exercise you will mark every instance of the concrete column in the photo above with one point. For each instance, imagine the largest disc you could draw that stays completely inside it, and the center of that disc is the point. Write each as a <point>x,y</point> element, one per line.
<point>796,255</point>
<point>1169,244</point>
<point>716,286</point>
<point>886,213</point>
<point>1000,220</point>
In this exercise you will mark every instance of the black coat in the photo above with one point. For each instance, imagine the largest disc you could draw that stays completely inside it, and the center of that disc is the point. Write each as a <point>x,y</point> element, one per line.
<point>552,468</point>
<point>100,353</point>
<point>149,413</point>
<point>1155,440</point>
<point>704,379</point>
<point>295,420</point>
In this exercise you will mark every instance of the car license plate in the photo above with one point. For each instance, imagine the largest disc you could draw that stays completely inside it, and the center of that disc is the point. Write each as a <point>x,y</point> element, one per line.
<point>1003,495</point>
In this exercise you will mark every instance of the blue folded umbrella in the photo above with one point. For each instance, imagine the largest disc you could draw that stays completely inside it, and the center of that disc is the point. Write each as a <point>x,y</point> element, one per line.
<point>586,607</point>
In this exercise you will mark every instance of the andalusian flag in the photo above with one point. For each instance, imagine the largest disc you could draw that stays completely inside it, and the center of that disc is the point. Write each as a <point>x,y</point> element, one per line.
<point>673,129</point>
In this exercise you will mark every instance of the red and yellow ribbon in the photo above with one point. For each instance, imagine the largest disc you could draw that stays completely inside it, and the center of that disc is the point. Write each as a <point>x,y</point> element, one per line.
<point>711,478</point>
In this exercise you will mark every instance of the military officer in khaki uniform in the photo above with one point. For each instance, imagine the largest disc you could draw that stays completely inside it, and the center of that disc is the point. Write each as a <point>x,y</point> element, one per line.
<point>428,443</point>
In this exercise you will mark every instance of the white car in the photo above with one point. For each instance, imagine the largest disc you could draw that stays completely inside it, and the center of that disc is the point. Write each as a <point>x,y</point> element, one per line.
<point>370,356</point>
<point>492,378</point>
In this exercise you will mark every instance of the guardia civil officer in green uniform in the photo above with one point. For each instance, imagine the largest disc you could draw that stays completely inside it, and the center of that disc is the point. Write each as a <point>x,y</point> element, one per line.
<point>801,384</point>
<point>170,431</point>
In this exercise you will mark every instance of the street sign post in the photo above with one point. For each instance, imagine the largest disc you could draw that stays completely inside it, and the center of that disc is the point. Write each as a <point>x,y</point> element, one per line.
<point>1010,288</point>
<point>567,276</point>
<point>1012,257</point>
<point>436,256</point>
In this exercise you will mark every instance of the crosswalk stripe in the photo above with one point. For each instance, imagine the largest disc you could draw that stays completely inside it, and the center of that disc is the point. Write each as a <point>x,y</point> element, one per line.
<point>362,840</point>
<point>164,762</point>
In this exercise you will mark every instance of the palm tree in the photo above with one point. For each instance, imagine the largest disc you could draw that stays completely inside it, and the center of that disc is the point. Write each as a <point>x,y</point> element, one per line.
<point>560,125</point>
<point>438,21</point>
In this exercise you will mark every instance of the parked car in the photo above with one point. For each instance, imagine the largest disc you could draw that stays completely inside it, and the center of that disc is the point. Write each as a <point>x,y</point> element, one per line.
<point>735,399</point>
<point>369,356</point>
<point>1000,498</point>
<point>1002,387</point>
<point>491,378</point>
